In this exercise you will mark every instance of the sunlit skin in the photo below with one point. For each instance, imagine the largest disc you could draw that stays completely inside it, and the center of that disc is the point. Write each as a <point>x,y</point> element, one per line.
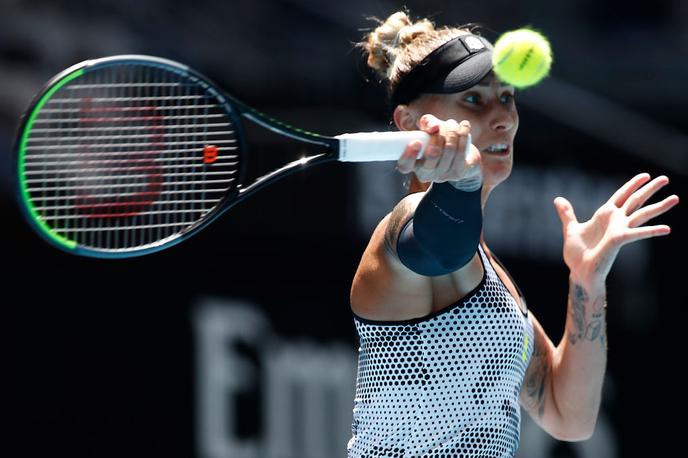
<point>488,111</point>
<point>562,386</point>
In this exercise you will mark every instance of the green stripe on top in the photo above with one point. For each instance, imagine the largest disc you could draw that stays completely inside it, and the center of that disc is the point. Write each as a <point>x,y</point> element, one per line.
<point>50,232</point>
<point>284,124</point>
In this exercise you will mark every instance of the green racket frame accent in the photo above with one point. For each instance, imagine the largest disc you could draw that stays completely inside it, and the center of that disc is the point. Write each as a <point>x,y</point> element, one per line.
<point>54,236</point>
<point>234,109</point>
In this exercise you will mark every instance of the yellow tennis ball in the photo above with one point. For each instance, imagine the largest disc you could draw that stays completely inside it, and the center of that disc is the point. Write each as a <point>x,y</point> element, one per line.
<point>522,57</point>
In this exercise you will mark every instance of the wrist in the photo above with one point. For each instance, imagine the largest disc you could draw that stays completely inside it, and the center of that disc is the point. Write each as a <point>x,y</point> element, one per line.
<point>468,183</point>
<point>591,283</point>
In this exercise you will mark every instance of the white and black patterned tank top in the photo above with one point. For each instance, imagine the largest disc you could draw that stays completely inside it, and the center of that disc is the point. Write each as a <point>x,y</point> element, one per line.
<point>445,385</point>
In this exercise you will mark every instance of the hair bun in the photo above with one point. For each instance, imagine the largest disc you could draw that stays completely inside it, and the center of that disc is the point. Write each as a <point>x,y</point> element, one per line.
<point>389,40</point>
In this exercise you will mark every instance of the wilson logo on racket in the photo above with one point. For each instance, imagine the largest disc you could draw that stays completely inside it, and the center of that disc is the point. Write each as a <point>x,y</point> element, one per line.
<point>116,180</point>
<point>120,156</point>
<point>209,154</point>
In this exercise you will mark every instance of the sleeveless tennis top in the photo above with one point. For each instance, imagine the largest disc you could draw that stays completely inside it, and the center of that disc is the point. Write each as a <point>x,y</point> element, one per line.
<point>445,385</point>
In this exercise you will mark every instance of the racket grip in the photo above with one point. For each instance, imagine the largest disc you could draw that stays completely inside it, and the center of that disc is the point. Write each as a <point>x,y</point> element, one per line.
<point>378,146</point>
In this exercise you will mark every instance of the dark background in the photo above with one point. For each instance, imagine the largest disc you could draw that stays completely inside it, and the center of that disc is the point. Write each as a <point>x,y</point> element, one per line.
<point>98,355</point>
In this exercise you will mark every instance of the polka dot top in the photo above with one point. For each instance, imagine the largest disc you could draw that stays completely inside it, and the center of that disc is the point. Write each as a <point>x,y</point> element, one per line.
<point>445,385</point>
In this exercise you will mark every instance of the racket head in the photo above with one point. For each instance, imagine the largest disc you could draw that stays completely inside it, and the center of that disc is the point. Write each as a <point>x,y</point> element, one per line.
<point>126,155</point>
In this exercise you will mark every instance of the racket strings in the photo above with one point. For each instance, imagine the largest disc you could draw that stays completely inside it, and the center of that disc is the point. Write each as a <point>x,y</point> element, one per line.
<point>128,156</point>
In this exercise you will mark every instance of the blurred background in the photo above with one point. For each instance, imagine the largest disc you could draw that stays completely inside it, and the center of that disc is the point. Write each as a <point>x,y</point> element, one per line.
<point>239,343</point>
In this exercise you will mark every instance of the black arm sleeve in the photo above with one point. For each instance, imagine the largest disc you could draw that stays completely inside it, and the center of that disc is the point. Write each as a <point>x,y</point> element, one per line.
<point>444,233</point>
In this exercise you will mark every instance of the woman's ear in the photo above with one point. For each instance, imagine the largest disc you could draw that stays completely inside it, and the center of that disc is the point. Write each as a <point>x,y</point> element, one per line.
<point>405,118</point>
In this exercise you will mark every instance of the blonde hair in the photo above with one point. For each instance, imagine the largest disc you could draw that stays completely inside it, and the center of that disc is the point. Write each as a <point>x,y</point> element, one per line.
<point>398,44</point>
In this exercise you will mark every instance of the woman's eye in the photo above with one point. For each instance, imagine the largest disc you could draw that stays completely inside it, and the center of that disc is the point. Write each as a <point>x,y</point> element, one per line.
<point>507,98</point>
<point>472,98</point>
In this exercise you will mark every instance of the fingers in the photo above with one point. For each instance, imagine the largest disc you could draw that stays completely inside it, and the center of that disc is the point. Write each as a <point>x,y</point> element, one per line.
<point>450,153</point>
<point>631,198</point>
<point>565,211</point>
<point>624,192</point>
<point>407,162</point>
<point>433,152</point>
<point>444,157</point>
<point>645,232</point>
<point>640,217</point>
<point>468,157</point>
<point>639,197</point>
<point>430,124</point>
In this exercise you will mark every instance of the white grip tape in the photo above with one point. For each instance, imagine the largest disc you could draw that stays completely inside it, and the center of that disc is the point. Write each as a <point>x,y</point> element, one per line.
<point>378,146</point>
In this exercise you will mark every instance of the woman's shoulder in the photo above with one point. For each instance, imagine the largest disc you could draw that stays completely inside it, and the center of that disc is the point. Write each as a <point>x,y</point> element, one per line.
<point>383,288</point>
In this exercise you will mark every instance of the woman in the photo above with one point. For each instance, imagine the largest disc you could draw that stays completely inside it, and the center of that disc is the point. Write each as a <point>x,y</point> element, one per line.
<point>448,349</point>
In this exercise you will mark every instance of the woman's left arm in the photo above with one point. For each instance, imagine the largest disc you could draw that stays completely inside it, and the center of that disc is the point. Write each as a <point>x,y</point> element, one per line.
<point>563,385</point>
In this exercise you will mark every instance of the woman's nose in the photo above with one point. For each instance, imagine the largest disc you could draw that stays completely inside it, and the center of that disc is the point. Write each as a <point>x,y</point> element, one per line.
<point>504,120</point>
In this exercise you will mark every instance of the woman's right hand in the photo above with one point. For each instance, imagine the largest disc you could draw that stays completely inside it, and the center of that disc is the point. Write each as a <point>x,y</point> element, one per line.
<point>447,157</point>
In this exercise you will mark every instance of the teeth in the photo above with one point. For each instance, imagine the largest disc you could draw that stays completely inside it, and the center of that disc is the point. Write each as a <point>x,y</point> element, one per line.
<point>497,147</point>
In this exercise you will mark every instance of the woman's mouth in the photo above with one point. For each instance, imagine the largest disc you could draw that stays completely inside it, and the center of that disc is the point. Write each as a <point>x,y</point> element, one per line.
<point>497,149</point>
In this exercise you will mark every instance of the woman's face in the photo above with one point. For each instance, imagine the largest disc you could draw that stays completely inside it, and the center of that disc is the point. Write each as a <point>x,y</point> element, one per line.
<point>490,108</point>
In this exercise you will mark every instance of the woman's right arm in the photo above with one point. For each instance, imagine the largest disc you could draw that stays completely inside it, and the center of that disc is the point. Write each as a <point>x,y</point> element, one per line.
<point>427,234</point>
<point>383,287</point>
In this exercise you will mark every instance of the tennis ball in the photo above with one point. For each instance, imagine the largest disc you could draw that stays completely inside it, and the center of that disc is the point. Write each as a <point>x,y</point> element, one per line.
<point>522,57</point>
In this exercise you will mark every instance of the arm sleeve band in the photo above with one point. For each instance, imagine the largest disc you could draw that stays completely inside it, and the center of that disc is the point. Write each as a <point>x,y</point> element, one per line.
<point>444,233</point>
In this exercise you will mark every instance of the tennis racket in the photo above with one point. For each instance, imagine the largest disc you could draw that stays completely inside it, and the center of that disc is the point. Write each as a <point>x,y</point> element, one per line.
<point>127,155</point>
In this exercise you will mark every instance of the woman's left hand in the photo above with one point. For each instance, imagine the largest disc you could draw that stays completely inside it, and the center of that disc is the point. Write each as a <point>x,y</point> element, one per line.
<point>590,247</point>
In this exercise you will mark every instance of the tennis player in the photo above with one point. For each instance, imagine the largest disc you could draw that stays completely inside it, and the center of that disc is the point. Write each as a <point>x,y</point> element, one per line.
<point>449,350</point>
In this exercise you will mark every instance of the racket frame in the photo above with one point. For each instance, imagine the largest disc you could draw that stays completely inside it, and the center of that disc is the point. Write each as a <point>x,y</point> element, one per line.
<point>234,109</point>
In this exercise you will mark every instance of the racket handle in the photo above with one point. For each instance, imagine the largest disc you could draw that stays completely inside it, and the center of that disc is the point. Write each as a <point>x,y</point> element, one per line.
<point>378,146</point>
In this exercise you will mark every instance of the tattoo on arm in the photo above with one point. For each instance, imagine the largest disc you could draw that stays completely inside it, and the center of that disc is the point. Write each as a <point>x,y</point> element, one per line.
<point>582,328</point>
<point>397,219</point>
<point>536,383</point>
